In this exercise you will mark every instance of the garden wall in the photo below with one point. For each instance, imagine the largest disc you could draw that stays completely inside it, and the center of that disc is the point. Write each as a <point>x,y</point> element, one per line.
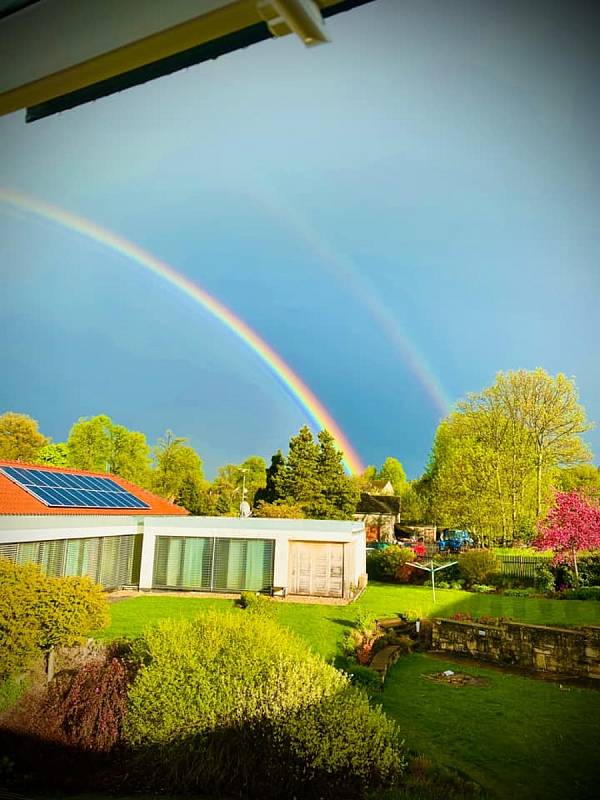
<point>563,651</point>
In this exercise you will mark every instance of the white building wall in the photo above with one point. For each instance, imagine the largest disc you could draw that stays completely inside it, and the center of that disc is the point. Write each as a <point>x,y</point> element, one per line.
<point>283,531</point>
<point>17,528</point>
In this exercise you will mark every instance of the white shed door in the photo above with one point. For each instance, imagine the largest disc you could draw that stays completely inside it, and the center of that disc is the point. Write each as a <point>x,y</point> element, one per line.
<point>316,568</point>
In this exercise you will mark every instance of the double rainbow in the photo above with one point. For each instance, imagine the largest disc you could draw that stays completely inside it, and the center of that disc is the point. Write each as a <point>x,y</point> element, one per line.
<point>311,404</point>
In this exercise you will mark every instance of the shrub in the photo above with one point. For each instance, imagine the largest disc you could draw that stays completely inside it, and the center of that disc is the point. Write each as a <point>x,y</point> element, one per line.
<point>68,608</point>
<point>236,704</point>
<point>544,578</point>
<point>257,603</point>
<point>483,588</point>
<point>529,592</point>
<point>589,569</point>
<point>20,633</point>
<point>196,675</point>
<point>386,565</point>
<point>83,709</point>
<point>339,748</point>
<point>365,678</point>
<point>38,613</point>
<point>477,565</point>
<point>582,593</point>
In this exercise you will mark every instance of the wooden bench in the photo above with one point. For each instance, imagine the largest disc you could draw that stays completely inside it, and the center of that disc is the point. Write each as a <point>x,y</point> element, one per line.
<point>384,659</point>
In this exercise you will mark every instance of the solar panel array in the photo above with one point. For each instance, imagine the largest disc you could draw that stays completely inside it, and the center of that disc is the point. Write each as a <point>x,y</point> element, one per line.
<point>72,490</point>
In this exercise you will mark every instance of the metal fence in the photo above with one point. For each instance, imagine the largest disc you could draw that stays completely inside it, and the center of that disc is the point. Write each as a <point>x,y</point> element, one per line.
<point>522,566</point>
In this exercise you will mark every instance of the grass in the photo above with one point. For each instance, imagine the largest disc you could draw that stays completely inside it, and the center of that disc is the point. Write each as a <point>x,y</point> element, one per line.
<point>323,626</point>
<point>519,738</point>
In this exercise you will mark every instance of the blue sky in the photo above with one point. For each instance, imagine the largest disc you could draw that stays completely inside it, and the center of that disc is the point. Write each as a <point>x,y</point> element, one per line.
<point>436,166</point>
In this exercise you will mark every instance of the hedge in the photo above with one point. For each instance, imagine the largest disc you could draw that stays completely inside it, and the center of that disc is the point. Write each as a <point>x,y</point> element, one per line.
<point>236,704</point>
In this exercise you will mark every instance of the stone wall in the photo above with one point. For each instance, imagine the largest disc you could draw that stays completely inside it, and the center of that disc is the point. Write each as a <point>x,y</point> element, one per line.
<point>563,651</point>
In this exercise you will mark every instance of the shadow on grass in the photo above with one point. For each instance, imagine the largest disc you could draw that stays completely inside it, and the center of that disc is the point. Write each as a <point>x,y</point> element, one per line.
<point>288,755</point>
<point>345,623</point>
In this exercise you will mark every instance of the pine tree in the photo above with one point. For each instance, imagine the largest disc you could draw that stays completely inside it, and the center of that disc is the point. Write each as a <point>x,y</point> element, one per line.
<point>269,493</point>
<point>338,495</point>
<point>298,481</point>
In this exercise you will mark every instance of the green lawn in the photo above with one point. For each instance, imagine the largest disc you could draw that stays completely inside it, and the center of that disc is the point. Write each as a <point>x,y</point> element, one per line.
<point>519,738</point>
<point>322,626</point>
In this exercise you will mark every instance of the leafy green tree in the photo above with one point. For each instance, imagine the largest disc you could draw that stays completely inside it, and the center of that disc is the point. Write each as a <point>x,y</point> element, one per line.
<point>278,510</point>
<point>227,489</point>
<point>584,478</point>
<point>393,471</point>
<point>413,503</point>
<point>364,481</point>
<point>178,467</point>
<point>89,443</point>
<point>20,439</point>
<point>55,454</point>
<point>548,409</point>
<point>130,455</point>
<point>193,495</point>
<point>99,445</point>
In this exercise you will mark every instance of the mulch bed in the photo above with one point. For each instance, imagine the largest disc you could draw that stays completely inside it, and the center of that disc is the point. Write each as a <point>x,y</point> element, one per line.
<point>456,679</point>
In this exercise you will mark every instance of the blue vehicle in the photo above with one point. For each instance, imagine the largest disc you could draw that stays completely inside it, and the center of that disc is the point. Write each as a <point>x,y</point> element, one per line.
<point>453,541</point>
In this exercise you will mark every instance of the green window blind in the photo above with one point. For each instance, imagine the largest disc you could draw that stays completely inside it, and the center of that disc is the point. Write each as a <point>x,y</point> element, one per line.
<point>213,564</point>
<point>109,560</point>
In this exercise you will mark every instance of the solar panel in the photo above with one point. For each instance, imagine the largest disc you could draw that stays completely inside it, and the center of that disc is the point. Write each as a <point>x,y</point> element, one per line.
<point>69,490</point>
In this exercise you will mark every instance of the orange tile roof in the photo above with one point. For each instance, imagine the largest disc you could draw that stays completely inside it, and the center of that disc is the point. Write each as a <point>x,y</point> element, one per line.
<point>15,500</point>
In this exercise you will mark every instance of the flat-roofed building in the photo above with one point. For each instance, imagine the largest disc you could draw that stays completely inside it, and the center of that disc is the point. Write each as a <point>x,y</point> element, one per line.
<point>73,522</point>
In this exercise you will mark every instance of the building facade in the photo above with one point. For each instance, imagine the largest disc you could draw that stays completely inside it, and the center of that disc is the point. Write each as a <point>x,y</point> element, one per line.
<point>162,547</point>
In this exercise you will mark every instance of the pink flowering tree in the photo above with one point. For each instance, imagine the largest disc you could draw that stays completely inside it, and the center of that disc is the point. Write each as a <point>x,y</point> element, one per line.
<point>572,524</point>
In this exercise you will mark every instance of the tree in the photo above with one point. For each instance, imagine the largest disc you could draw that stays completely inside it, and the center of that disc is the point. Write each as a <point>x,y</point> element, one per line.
<point>227,490</point>
<point>269,492</point>
<point>298,481</point>
<point>55,454</point>
<point>364,481</point>
<point>495,458</point>
<point>178,467</point>
<point>413,504</point>
<point>583,478</point>
<point>20,439</point>
<point>99,445</point>
<point>89,443</point>
<point>338,496</point>
<point>278,510</point>
<point>129,455</point>
<point>572,524</point>
<point>393,471</point>
<point>548,409</point>
<point>313,478</point>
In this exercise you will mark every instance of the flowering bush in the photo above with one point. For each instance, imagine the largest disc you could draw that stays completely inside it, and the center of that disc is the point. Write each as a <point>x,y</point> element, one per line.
<point>571,525</point>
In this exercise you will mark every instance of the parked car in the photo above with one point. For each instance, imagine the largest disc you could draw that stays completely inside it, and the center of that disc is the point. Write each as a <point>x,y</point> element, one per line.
<point>378,545</point>
<point>453,541</point>
<point>419,549</point>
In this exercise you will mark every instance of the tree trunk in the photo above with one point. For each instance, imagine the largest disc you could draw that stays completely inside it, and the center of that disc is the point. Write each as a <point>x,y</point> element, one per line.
<point>502,512</point>
<point>50,663</point>
<point>575,568</point>
<point>538,486</point>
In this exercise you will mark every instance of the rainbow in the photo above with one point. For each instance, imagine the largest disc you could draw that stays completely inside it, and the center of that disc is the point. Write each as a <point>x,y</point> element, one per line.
<point>309,402</point>
<point>348,275</point>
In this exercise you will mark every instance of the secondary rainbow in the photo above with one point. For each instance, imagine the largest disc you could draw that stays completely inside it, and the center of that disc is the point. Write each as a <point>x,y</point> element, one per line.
<point>290,380</point>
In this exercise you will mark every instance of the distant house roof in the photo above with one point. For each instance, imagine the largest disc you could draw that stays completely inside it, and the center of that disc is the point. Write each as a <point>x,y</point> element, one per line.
<point>378,504</point>
<point>381,487</point>
<point>16,500</point>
